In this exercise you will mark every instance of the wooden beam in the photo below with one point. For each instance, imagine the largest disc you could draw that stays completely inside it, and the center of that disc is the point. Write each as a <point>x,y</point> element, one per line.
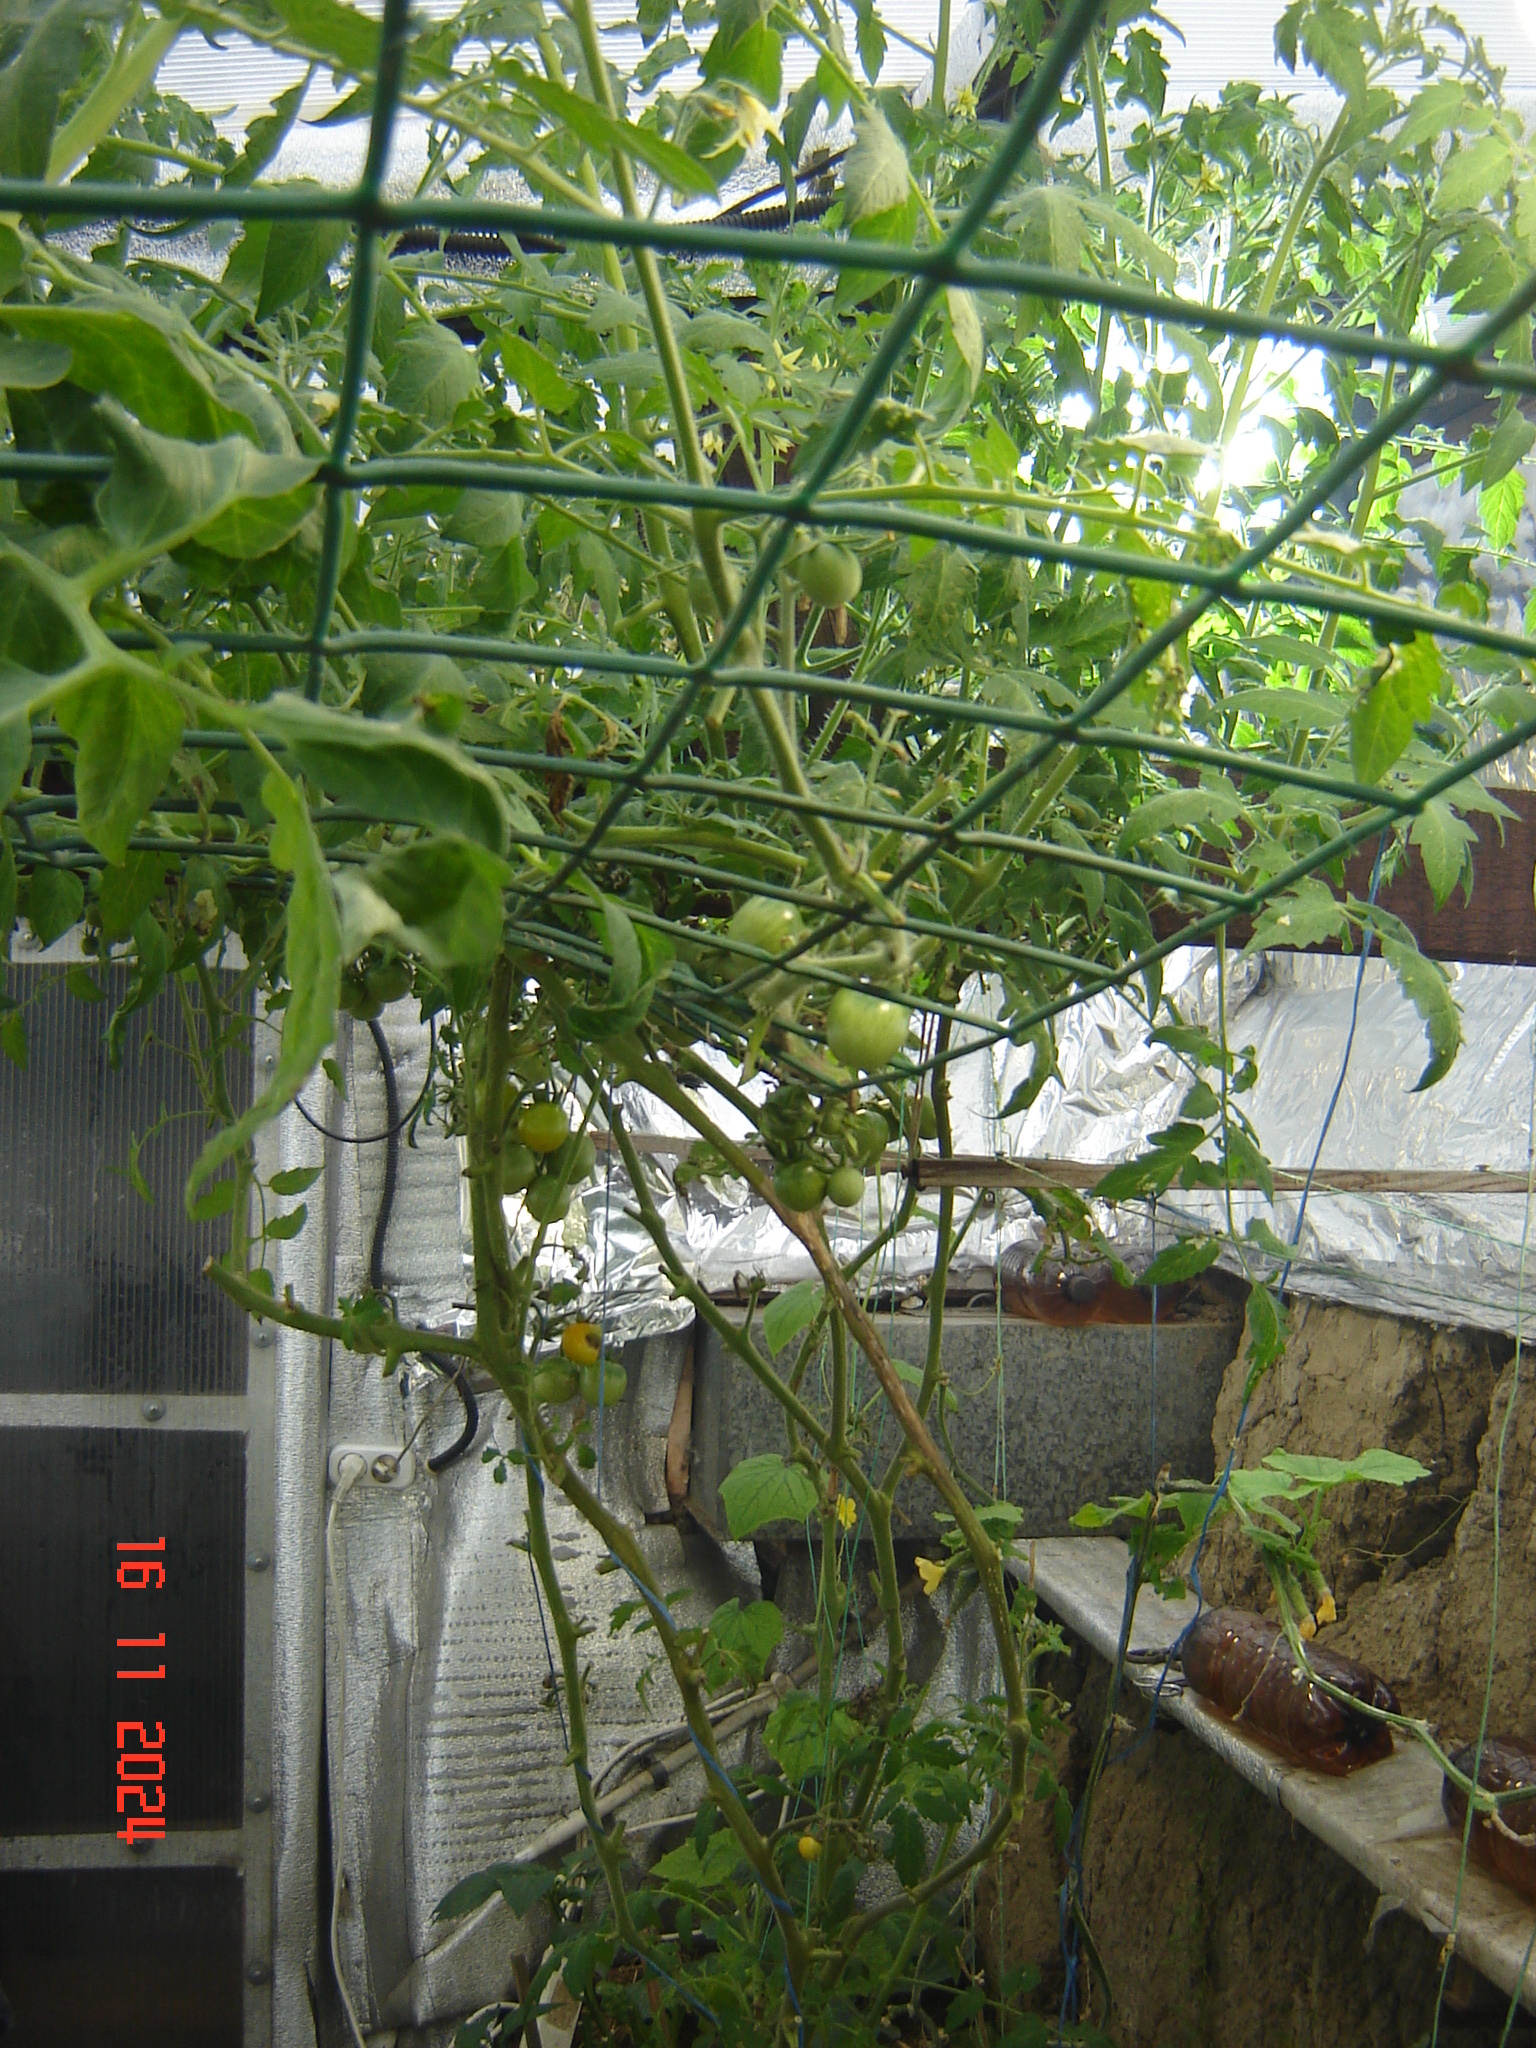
<point>984,1170</point>
<point>1497,927</point>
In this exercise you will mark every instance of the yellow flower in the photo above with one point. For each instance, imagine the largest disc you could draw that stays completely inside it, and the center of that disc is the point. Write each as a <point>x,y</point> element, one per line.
<point>1308,1629</point>
<point>931,1574</point>
<point>1326,1611</point>
<point>847,1511</point>
<point>810,1848</point>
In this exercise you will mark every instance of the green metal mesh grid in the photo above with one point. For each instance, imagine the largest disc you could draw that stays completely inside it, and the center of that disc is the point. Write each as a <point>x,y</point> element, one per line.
<point>811,502</point>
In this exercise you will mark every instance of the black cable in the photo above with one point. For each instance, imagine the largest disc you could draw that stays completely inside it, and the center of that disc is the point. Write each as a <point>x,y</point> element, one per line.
<point>396,1123</point>
<point>450,1368</point>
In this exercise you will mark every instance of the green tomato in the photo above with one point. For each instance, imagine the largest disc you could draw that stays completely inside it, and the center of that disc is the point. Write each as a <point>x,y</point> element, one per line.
<point>544,1126</point>
<point>800,1185</point>
<point>865,1032</point>
<point>518,1167</point>
<point>771,927</point>
<point>547,1201</point>
<point>869,1134</point>
<point>927,1118</point>
<point>389,981</point>
<point>358,1000</point>
<point>442,712</point>
<point>829,575</point>
<point>846,1187</point>
<point>603,1388</point>
<point>555,1384</point>
<point>575,1159</point>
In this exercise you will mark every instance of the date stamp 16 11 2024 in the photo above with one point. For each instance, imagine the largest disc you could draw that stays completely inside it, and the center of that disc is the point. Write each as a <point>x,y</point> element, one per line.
<point>141,1744</point>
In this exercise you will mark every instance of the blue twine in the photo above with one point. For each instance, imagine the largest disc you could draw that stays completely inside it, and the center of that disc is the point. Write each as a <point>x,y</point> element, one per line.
<point>602,1327</point>
<point>536,1478</point>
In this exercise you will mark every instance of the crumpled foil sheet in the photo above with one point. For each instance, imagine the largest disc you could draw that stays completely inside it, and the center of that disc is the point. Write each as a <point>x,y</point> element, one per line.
<point>1443,1258</point>
<point>452,1754</point>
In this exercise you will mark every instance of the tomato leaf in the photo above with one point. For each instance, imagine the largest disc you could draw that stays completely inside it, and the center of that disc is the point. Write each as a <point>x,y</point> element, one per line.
<point>875,173</point>
<point>1399,699</point>
<point>312,963</point>
<point>393,771</point>
<point>447,895</point>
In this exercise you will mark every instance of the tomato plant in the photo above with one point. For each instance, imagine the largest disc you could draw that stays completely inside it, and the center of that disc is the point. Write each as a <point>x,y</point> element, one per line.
<point>675,640</point>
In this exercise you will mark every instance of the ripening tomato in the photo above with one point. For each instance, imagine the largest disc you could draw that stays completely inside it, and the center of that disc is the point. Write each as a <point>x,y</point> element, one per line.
<point>543,1126</point>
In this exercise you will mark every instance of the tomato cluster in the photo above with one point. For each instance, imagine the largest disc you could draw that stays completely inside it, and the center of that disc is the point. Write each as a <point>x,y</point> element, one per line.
<point>582,1369</point>
<point>823,1150</point>
<point>546,1161</point>
<point>374,979</point>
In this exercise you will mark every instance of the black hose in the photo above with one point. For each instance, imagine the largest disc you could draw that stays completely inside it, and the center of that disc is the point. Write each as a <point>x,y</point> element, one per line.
<point>396,1123</point>
<point>450,1368</point>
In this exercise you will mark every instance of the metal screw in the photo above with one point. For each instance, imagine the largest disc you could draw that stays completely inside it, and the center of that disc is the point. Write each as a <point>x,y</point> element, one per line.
<point>258,1973</point>
<point>258,1802</point>
<point>257,1561</point>
<point>153,1411</point>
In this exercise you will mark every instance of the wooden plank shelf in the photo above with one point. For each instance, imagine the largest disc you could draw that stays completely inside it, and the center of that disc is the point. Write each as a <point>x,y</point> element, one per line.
<point>1384,1820</point>
<point>990,1170</point>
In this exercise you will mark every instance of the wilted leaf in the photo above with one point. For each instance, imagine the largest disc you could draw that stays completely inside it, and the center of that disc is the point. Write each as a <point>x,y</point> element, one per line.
<point>392,771</point>
<point>312,963</point>
<point>1425,984</point>
<point>126,727</point>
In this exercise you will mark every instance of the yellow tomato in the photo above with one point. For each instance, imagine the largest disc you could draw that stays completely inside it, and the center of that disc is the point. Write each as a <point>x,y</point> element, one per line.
<point>581,1343</point>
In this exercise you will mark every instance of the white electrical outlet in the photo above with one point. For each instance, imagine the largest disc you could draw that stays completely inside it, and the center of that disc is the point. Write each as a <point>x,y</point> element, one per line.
<point>385,1465</point>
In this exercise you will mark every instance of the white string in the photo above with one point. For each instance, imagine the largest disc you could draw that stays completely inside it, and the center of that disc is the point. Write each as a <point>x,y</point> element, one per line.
<point>352,1469</point>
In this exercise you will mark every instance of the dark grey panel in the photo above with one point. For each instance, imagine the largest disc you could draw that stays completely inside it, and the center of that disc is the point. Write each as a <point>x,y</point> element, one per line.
<point>1057,1416</point>
<point>105,1290</point>
<point>68,1497</point>
<point>122,1958</point>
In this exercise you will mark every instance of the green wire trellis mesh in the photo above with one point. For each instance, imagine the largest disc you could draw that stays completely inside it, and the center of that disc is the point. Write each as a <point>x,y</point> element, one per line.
<point>1042,736</point>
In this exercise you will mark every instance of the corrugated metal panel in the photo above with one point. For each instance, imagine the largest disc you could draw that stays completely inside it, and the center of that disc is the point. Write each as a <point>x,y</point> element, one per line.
<point>108,1287</point>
